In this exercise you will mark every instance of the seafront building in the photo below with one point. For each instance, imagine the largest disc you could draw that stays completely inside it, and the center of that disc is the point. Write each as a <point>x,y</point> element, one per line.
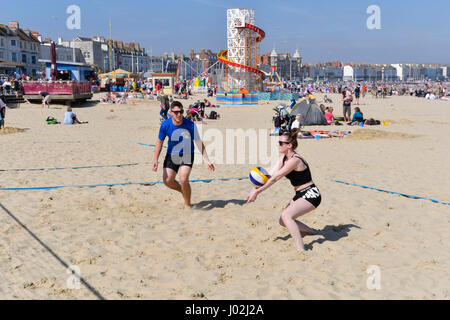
<point>414,72</point>
<point>286,66</point>
<point>71,63</point>
<point>19,50</point>
<point>129,56</point>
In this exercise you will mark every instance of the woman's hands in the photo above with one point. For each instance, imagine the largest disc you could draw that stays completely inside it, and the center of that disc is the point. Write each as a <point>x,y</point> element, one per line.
<point>252,195</point>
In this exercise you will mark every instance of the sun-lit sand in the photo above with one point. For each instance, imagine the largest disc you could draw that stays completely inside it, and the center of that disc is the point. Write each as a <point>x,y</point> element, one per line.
<point>136,241</point>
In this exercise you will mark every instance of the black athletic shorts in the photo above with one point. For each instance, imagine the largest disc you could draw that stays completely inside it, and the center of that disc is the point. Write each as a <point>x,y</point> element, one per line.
<point>310,194</point>
<point>175,163</point>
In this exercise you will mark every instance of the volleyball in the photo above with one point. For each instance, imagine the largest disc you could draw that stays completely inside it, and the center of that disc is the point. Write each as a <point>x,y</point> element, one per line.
<point>259,176</point>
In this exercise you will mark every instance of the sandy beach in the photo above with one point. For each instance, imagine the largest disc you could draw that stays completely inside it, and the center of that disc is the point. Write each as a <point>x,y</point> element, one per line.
<point>136,241</point>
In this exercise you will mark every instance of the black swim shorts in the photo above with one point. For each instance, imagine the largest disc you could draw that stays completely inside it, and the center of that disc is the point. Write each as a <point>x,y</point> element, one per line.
<point>175,162</point>
<point>311,194</point>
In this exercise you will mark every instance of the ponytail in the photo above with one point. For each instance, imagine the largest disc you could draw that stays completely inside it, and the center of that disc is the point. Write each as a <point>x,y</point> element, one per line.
<point>292,137</point>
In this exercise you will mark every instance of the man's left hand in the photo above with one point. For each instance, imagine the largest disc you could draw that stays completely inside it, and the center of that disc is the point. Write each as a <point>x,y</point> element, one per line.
<point>210,166</point>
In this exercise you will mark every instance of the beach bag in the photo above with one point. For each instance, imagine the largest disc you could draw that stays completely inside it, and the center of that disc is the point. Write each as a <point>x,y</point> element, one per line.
<point>51,120</point>
<point>213,115</point>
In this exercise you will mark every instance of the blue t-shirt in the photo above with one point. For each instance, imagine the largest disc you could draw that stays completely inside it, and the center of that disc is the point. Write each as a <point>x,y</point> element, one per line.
<point>68,117</point>
<point>181,138</point>
<point>357,115</point>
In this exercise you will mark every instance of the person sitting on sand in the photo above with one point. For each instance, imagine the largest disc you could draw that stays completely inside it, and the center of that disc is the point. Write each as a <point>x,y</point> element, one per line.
<point>71,118</point>
<point>327,100</point>
<point>296,123</point>
<point>329,115</point>
<point>122,100</point>
<point>208,104</point>
<point>357,117</point>
<point>307,196</point>
<point>194,112</point>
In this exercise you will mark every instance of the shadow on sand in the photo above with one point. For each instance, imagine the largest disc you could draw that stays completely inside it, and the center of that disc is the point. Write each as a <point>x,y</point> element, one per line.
<point>213,204</point>
<point>329,233</point>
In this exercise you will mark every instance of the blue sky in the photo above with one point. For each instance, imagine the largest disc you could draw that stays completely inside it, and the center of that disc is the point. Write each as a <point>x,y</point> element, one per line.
<point>411,31</point>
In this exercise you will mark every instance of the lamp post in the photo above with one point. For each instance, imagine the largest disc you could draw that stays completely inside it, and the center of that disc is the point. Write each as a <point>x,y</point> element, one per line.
<point>290,69</point>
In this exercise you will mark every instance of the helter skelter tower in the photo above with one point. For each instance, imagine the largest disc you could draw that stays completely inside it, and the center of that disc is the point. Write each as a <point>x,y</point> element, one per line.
<point>242,56</point>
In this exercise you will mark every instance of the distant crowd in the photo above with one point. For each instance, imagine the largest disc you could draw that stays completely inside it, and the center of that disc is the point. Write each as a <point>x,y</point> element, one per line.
<point>428,90</point>
<point>182,89</point>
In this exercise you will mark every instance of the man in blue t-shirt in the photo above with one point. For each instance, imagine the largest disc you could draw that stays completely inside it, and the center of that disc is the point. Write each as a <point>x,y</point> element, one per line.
<point>182,133</point>
<point>70,117</point>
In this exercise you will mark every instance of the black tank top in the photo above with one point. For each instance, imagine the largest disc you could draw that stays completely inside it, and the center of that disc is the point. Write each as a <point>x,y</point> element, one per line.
<point>299,178</point>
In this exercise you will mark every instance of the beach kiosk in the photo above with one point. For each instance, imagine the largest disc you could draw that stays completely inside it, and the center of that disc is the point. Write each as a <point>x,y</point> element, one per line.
<point>167,81</point>
<point>118,76</point>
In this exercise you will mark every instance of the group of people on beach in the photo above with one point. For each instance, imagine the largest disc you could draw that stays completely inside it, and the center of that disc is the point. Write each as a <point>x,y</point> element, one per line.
<point>347,100</point>
<point>378,89</point>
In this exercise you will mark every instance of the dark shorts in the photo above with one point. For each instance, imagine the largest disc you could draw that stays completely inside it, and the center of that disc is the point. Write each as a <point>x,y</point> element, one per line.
<point>310,194</point>
<point>175,163</point>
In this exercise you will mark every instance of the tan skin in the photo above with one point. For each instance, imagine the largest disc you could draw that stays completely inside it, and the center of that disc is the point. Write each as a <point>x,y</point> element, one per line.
<point>296,208</point>
<point>169,174</point>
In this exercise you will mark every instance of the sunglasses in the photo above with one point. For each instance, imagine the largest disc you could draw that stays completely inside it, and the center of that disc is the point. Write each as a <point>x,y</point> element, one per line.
<point>178,112</point>
<point>280,143</point>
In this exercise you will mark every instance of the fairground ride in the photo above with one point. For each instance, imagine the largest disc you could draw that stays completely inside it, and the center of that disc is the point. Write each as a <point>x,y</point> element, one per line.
<point>242,56</point>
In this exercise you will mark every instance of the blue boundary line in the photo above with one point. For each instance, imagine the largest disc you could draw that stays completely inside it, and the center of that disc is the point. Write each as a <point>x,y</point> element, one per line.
<point>393,192</point>
<point>74,168</point>
<point>116,184</point>
<point>149,145</point>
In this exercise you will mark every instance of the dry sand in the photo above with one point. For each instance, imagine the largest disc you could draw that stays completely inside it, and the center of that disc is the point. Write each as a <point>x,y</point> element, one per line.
<point>136,242</point>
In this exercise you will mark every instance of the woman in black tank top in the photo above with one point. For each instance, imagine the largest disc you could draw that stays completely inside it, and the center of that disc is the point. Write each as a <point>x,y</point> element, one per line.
<point>307,195</point>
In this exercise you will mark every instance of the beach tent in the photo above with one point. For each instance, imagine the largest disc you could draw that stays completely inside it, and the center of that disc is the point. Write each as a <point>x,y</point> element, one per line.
<point>311,113</point>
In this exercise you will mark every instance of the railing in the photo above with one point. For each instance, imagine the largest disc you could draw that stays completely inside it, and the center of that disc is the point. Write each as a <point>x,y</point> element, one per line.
<point>56,88</point>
